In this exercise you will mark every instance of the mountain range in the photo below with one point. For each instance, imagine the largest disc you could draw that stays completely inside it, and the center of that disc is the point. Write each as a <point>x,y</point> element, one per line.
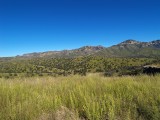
<point>128,48</point>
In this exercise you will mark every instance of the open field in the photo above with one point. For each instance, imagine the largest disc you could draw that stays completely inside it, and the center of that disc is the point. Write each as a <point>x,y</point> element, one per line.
<point>90,97</point>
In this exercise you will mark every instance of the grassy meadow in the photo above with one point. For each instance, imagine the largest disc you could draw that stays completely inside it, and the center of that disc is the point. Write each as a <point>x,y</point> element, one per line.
<point>90,97</point>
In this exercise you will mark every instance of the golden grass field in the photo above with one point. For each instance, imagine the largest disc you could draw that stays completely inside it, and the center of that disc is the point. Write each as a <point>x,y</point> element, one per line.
<point>92,97</point>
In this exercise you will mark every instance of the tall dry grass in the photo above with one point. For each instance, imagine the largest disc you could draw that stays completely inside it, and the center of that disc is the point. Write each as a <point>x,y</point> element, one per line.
<point>75,97</point>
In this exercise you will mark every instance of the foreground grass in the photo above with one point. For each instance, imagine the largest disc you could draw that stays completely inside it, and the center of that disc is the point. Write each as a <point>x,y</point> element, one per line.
<point>91,98</point>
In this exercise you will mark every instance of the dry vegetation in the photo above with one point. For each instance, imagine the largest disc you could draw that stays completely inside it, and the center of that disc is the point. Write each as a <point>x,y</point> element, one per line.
<point>90,97</point>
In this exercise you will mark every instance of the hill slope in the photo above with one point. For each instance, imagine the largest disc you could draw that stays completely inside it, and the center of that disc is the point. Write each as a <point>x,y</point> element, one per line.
<point>83,51</point>
<point>132,48</point>
<point>128,48</point>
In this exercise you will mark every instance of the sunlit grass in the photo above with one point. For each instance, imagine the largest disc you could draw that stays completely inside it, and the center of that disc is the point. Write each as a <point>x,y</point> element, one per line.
<point>92,97</point>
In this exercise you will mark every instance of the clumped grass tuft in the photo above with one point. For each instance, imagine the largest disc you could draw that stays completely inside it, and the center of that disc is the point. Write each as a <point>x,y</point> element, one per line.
<point>80,98</point>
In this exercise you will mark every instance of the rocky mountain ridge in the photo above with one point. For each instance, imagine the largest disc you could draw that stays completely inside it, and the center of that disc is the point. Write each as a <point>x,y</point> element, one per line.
<point>128,48</point>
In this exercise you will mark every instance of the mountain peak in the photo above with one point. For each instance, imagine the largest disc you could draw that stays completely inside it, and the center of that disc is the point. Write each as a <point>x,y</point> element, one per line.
<point>130,41</point>
<point>128,47</point>
<point>156,41</point>
<point>99,47</point>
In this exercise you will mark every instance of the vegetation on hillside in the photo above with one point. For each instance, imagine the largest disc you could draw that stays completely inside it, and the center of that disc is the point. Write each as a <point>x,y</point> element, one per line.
<point>132,48</point>
<point>126,58</point>
<point>128,48</point>
<point>66,66</point>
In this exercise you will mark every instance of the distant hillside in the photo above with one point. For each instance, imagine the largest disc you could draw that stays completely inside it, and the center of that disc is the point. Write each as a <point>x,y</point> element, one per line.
<point>83,51</point>
<point>132,48</point>
<point>126,58</point>
<point>128,48</point>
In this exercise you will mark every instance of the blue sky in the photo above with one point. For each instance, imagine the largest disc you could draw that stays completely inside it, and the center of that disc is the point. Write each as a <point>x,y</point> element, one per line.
<point>41,25</point>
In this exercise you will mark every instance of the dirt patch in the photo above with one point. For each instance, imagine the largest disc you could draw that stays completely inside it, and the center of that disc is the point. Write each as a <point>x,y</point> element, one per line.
<point>61,114</point>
